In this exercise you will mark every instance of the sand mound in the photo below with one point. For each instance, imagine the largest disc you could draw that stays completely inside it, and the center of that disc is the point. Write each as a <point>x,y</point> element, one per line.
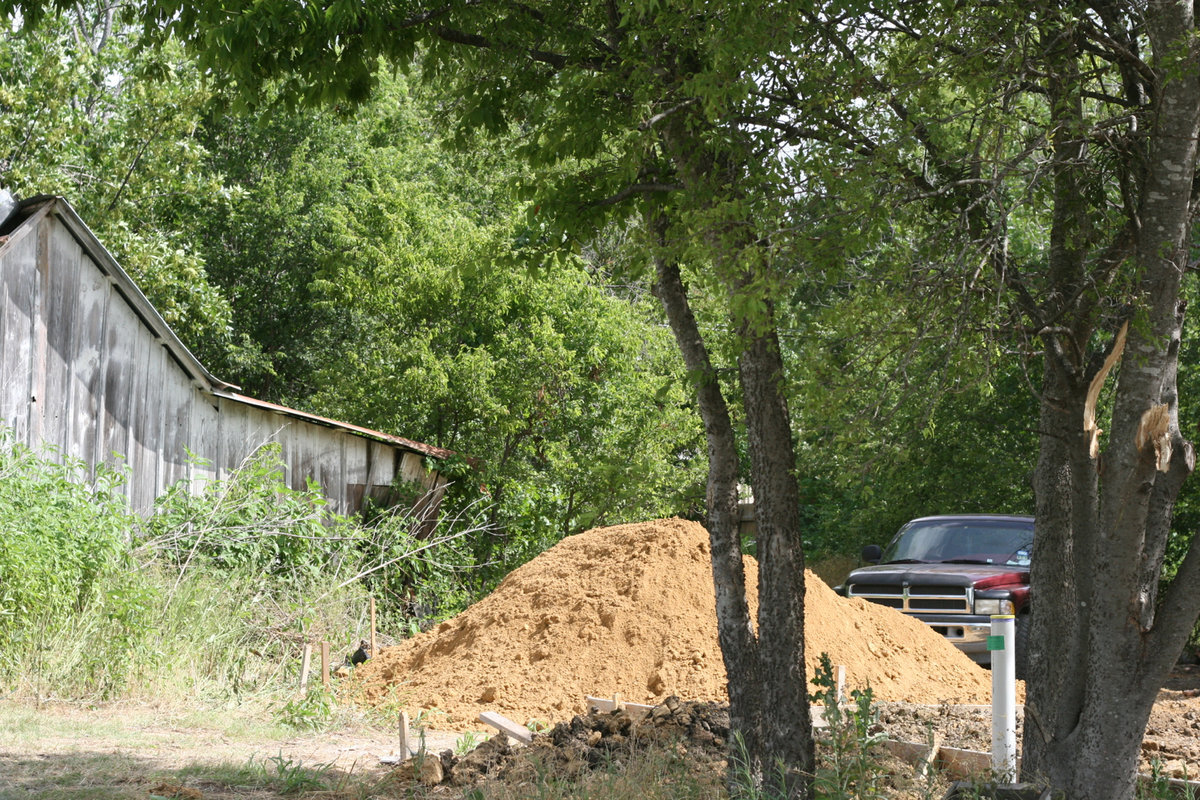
<point>630,609</point>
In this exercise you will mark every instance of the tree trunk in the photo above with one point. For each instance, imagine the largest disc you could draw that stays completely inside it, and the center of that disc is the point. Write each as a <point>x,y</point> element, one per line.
<point>739,649</point>
<point>768,688</point>
<point>1103,522</point>
<point>783,756</point>
<point>786,724</point>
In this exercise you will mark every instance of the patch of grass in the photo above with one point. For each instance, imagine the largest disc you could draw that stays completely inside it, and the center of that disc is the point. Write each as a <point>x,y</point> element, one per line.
<point>70,775</point>
<point>29,723</point>
<point>1159,785</point>
<point>84,775</point>
<point>250,773</point>
<point>120,751</point>
<point>468,742</point>
<point>134,725</point>
<point>314,711</point>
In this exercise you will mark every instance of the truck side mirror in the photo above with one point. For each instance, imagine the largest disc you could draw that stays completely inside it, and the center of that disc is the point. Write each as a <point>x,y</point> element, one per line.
<point>872,554</point>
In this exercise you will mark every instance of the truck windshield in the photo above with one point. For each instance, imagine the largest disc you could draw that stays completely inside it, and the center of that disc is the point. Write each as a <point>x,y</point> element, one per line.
<point>963,541</point>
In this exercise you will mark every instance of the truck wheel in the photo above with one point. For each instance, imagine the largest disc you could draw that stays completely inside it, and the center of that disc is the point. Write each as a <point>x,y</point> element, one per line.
<point>1021,644</point>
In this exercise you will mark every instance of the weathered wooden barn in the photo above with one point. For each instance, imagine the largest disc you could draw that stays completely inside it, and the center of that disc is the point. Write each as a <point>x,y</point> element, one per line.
<point>90,369</point>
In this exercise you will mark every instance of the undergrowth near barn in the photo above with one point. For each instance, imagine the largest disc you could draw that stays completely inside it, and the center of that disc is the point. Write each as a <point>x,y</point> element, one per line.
<point>212,596</point>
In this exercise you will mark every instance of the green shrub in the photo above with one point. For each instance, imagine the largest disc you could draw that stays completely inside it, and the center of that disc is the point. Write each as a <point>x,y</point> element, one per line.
<point>250,521</point>
<point>847,765</point>
<point>214,594</point>
<point>61,536</point>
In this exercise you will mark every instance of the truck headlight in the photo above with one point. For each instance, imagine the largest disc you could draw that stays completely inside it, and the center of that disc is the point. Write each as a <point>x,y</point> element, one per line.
<point>988,607</point>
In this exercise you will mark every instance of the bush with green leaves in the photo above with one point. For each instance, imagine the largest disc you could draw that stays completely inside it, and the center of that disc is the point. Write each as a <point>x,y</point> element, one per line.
<point>63,535</point>
<point>215,593</point>
<point>847,764</point>
<point>252,521</point>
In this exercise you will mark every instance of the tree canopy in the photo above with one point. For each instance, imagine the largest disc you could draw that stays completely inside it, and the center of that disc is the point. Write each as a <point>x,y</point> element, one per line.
<point>928,198</point>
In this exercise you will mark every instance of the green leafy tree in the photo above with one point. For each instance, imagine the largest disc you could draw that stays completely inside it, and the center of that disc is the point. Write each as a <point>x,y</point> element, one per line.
<point>373,266</point>
<point>627,113</point>
<point>905,408</point>
<point>1057,152</point>
<point>86,115</point>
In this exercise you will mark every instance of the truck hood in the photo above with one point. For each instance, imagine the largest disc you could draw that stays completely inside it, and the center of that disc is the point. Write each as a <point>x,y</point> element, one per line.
<point>980,576</point>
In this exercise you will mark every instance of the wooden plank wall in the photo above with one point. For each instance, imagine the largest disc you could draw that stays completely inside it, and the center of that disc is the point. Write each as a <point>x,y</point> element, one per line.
<point>82,375</point>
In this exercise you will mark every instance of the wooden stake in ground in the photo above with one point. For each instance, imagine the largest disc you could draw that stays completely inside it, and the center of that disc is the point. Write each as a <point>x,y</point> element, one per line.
<point>325,664</point>
<point>305,665</point>
<point>372,653</point>
<point>404,751</point>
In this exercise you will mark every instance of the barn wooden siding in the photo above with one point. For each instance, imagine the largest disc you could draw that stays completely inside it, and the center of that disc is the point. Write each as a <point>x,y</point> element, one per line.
<point>91,370</point>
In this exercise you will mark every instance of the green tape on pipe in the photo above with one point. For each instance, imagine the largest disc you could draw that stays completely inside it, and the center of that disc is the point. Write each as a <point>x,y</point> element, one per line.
<point>995,643</point>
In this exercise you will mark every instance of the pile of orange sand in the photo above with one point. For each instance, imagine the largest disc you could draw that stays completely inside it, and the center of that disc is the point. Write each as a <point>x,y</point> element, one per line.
<point>630,609</point>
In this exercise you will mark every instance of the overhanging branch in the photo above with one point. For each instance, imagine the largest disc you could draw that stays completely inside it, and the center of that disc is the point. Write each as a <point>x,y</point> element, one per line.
<point>630,191</point>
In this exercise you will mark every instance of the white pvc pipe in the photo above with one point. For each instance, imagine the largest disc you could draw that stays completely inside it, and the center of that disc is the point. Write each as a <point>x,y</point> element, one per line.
<point>1004,697</point>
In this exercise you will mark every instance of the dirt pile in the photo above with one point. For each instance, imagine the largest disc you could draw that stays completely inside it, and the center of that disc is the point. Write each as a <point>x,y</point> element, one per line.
<point>629,609</point>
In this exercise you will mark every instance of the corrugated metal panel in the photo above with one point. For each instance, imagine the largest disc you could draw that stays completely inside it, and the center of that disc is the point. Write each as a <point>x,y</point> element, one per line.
<point>39,405</point>
<point>146,440</point>
<point>88,363</point>
<point>407,444</point>
<point>204,426</point>
<point>118,388</point>
<point>178,398</point>
<point>61,307</point>
<point>19,285</point>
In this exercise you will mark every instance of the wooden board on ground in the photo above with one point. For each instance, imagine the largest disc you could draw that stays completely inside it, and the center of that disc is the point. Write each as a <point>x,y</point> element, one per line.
<point>506,726</point>
<point>609,704</point>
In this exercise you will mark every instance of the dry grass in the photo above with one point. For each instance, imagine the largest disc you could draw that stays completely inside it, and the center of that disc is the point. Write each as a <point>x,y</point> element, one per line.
<point>138,752</point>
<point>652,773</point>
<point>124,751</point>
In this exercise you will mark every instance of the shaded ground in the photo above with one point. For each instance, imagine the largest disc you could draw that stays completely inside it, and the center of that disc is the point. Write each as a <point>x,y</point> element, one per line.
<point>123,752</point>
<point>1172,735</point>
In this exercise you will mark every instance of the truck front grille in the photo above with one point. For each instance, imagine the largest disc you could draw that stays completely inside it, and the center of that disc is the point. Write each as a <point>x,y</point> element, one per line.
<point>916,599</point>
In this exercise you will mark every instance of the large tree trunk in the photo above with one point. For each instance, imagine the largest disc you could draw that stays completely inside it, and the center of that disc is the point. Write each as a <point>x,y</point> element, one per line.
<point>786,725</point>
<point>1103,521</point>
<point>768,688</point>
<point>739,647</point>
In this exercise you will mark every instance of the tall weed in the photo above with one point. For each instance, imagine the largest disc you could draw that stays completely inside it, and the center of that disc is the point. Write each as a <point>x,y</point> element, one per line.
<point>213,595</point>
<point>847,766</point>
<point>61,537</point>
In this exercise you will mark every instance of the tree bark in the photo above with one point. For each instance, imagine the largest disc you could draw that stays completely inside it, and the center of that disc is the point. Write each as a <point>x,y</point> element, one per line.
<point>787,727</point>
<point>739,648</point>
<point>784,753</point>
<point>1103,523</point>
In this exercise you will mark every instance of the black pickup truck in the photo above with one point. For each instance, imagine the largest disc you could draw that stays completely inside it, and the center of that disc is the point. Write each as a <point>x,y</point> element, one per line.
<point>953,573</point>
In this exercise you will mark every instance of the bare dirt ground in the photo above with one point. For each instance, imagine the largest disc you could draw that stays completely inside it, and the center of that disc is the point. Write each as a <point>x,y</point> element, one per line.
<point>124,751</point>
<point>121,752</point>
<point>1172,735</point>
